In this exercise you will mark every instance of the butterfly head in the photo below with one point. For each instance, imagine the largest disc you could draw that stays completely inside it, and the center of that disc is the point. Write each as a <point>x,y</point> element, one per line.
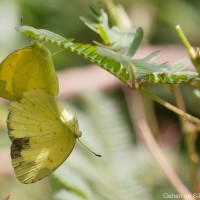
<point>71,121</point>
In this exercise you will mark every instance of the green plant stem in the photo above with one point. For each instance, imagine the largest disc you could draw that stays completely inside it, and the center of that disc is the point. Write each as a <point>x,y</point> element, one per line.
<point>191,51</point>
<point>191,134</point>
<point>162,161</point>
<point>185,40</point>
<point>183,114</point>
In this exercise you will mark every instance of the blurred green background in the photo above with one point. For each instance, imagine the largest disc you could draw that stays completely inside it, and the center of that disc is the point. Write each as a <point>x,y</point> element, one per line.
<point>126,171</point>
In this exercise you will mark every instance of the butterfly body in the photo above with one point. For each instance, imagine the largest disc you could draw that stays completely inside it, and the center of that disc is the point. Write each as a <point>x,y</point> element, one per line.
<point>43,134</point>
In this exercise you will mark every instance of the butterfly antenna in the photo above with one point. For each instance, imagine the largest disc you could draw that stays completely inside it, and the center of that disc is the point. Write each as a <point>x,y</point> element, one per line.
<point>98,155</point>
<point>22,24</point>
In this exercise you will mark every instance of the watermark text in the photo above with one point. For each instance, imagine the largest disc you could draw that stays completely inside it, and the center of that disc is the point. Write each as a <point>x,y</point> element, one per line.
<point>180,196</point>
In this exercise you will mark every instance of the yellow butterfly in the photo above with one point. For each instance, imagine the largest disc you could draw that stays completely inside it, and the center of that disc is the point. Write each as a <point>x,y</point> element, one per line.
<point>43,134</point>
<point>26,69</point>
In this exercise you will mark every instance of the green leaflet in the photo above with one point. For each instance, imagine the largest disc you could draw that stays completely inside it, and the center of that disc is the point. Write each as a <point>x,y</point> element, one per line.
<point>117,38</point>
<point>136,42</point>
<point>179,66</point>
<point>176,78</point>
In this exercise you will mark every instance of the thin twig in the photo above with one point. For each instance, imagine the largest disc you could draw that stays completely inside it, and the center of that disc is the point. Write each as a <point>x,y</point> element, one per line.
<point>183,114</point>
<point>191,134</point>
<point>162,161</point>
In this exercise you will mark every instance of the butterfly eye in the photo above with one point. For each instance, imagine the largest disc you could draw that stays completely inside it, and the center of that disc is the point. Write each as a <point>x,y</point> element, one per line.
<point>78,134</point>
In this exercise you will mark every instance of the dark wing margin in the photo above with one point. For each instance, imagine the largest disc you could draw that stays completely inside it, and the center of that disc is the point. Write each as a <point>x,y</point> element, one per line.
<point>17,145</point>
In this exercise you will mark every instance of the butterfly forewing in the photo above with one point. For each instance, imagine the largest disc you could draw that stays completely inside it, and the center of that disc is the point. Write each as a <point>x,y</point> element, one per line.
<point>40,139</point>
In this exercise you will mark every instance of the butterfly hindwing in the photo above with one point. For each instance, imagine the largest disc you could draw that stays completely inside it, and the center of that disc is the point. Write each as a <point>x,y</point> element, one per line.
<point>25,69</point>
<point>41,134</point>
